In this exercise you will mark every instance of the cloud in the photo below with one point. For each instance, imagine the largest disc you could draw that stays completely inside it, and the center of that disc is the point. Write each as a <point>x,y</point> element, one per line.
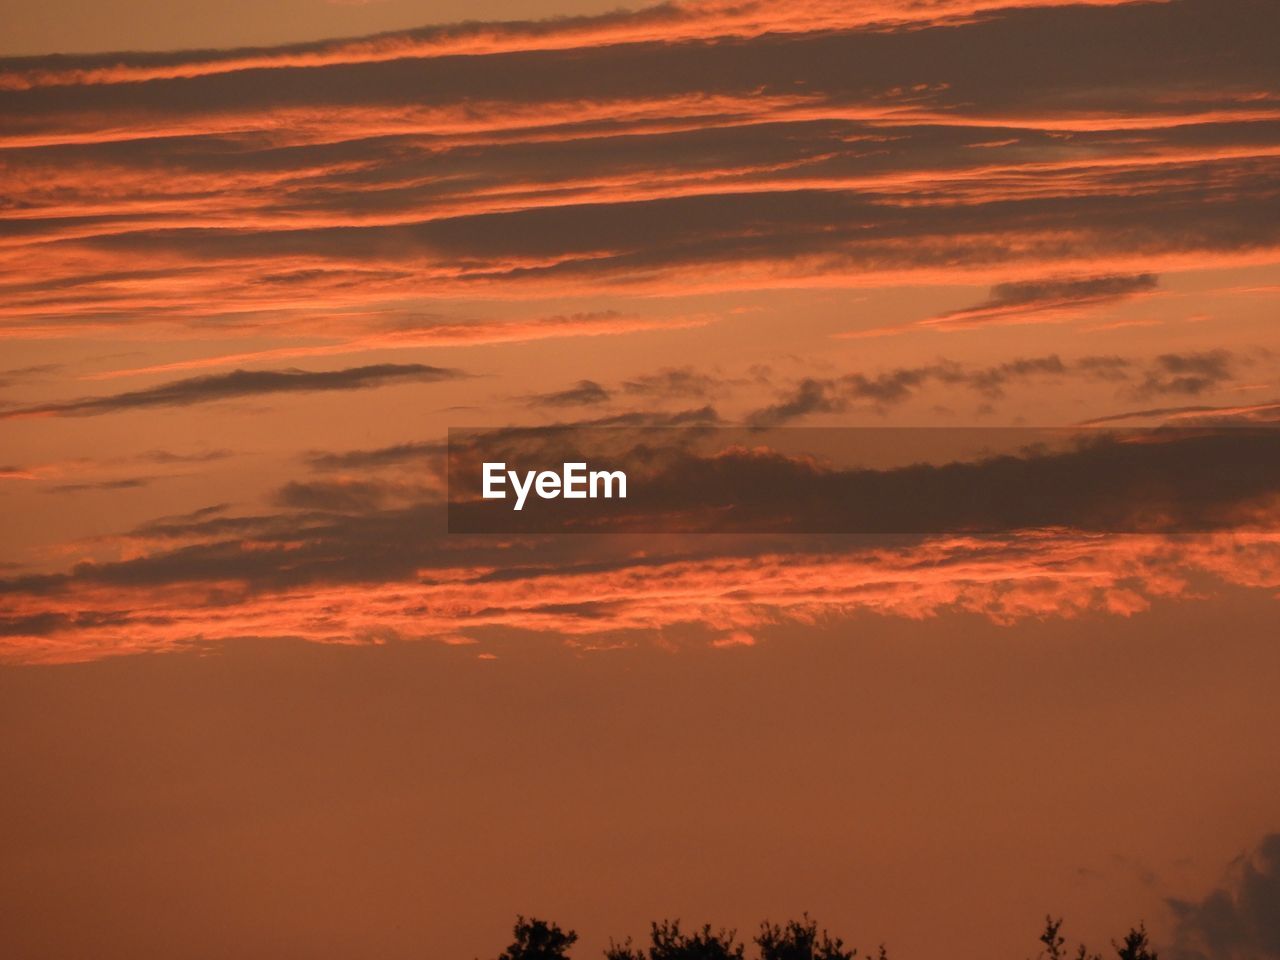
<point>583,393</point>
<point>665,22</point>
<point>104,468</point>
<point>200,513</point>
<point>1105,367</point>
<point>1026,300</point>
<point>124,483</point>
<point>419,450</point>
<point>1257,412</point>
<point>1169,481</point>
<point>1238,921</point>
<point>164,457</point>
<point>348,556</point>
<point>321,200</point>
<point>991,381</point>
<point>372,173</point>
<point>238,384</point>
<point>674,382</point>
<point>810,395</point>
<point>392,574</point>
<point>665,384</point>
<point>393,455</point>
<point>895,386</point>
<point>347,496</point>
<point>1187,374</point>
<point>399,333</point>
<point>21,374</point>
<point>837,394</point>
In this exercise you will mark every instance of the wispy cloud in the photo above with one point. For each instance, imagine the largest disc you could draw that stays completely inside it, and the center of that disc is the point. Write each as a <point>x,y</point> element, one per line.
<point>123,483</point>
<point>887,388</point>
<point>583,393</point>
<point>1026,301</point>
<point>387,171</point>
<point>349,557</point>
<point>592,177</point>
<point>1268,411</point>
<point>236,385</point>
<point>389,574</point>
<point>666,23</point>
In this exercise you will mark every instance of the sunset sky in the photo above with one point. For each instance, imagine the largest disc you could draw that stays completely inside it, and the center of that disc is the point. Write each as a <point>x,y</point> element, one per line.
<point>255,700</point>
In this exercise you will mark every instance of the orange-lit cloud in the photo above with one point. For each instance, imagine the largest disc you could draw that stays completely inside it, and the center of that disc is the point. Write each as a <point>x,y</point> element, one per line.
<point>633,151</point>
<point>668,23</point>
<point>624,601</point>
<point>562,183</point>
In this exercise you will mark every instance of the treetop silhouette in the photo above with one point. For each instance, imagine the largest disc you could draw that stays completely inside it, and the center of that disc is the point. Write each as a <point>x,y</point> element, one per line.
<point>795,940</point>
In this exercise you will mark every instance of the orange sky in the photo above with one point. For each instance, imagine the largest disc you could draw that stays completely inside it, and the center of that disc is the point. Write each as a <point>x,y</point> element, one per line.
<point>245,290</point>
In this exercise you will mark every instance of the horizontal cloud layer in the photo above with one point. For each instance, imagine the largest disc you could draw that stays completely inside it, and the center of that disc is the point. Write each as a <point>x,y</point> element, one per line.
<point>492,184</point>
<point>1018,302</point>
<point>347,559</point>
<point>278,577</point>
<point>683,148</point>
<point>237,384</point>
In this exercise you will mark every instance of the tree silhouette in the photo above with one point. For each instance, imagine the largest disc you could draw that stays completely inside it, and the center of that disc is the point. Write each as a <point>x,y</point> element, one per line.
<point>800,940</point>
<point>1053,942</point>
<point>538,940</point>
<point>795,940</point>
<point>668,942</point>
<point>1135,945</point>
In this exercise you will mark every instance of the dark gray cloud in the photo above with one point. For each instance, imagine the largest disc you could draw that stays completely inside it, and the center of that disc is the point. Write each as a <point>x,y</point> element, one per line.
<point>418,451</point>
<point>238,384</point>
<point>200,513</point>
<point>894,386</point>
<point>296,547</point>
<point>991,381</point>
<point>21,374</point>
<point>163,457</point>
<point>1256,412</point>
<point>210,522</point>
<point>674,382</point>
<point>1078,289</point>
<point>1188,374</point>
<point>583,393</point>
<point>810,395</point>
<point>1039,296</point>
<point>1241,919</point>
<point>125,483</point>
<point>381,457</point>
<point>1153,481</point>
<point>1000,61</point>
<point>668,383</point>
<point>44,623</point>
<point>645,237</point>
<point>837,394</point>
<point>350,496</point>
<point>336,533</point>
<point>1105,367</point>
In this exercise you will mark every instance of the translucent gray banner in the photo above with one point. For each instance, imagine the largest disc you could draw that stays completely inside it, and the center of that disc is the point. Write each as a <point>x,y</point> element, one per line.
<point>714,479</point>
